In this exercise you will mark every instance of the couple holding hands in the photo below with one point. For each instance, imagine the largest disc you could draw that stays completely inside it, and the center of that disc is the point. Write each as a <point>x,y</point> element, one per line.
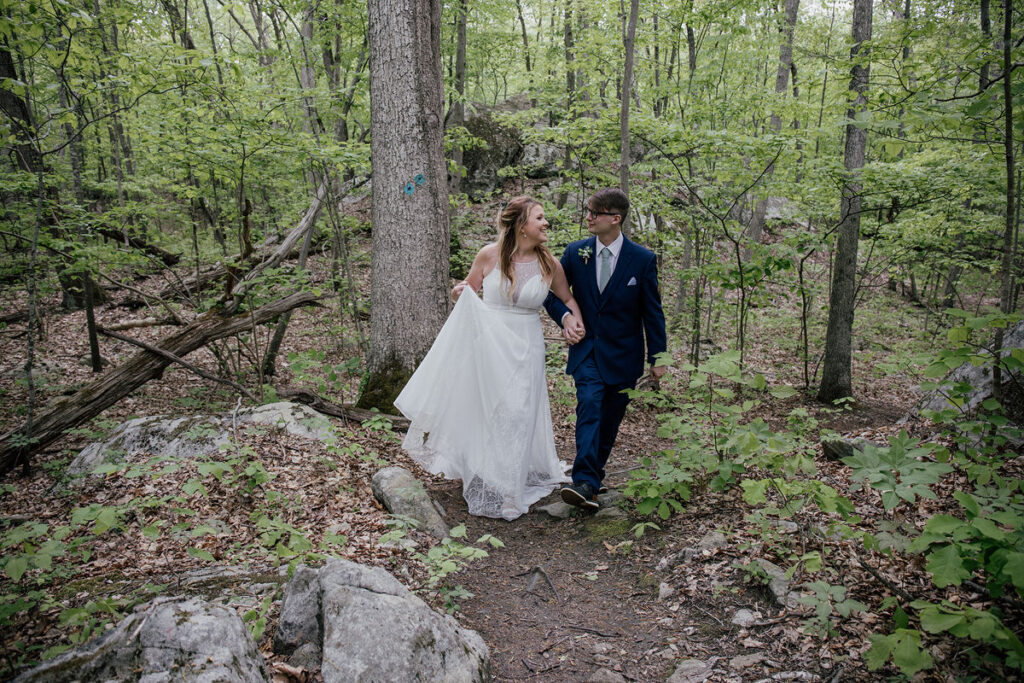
<point>478,403</point>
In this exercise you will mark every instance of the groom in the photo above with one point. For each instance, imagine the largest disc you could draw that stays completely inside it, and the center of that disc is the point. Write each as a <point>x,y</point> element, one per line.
<point>615,283</point>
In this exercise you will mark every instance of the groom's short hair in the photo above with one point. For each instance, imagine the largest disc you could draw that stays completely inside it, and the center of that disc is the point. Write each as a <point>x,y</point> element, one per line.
<point>612,200</point>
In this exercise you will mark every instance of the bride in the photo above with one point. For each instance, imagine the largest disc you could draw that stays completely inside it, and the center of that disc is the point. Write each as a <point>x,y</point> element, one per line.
<point>478,403</point>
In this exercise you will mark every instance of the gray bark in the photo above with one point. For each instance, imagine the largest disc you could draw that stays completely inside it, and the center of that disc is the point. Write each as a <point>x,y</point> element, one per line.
<point>1006,286</point>
<point>836,378</point>
<point>409,268</point>
<point>781,85</point>
<point>627,84</point>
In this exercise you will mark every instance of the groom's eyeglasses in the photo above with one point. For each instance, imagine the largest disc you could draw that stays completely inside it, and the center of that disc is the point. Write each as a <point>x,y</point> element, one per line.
<point>591,212</point>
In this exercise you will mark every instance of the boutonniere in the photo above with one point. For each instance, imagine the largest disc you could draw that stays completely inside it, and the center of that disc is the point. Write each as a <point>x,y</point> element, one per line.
<point>585,254</point>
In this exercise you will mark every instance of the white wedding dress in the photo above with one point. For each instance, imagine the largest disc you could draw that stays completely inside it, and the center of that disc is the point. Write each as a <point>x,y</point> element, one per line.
<point>478,403</point>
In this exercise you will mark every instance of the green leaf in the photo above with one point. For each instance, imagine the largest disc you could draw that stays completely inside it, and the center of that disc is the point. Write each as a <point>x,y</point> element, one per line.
<point>1014,568</point>
<point>946,567</point>
<point>934,620</point>
<point>458,532</point>
<point>988,528</point>
<point>943,524</point>
<point>784,391</point>
<point>910,657</point>
<point>16,567</point>
<point>968,503</point>
<point>881,648</point>
<point>201,554</point>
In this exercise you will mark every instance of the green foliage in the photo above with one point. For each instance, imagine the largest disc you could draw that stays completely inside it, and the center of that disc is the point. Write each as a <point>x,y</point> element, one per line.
<point>900,473</point>
<point>827,601</point>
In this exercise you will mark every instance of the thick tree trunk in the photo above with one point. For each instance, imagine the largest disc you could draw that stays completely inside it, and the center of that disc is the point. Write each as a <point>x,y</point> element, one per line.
<point>627,84</point>
<point>836,378</point>
<point>409,268</point>
<point>118,383</point>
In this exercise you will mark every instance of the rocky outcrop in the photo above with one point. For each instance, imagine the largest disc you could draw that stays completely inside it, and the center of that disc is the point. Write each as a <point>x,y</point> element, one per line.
<point>979,378</point>
<point>196,436</point>
<point>373,628</point>
<point>168,639</point>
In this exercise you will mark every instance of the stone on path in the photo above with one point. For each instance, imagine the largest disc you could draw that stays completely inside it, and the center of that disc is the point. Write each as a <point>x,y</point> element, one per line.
<point>403,494</point>
<point>744,618</point>
<point>603,675</point>
<point>692,671</point>
<point>779,584</point>
<point>559,509</point>
<point>168,639</point>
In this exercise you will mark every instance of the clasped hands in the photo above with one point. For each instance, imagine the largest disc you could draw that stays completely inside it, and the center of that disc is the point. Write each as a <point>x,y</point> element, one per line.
<point>573,330</point>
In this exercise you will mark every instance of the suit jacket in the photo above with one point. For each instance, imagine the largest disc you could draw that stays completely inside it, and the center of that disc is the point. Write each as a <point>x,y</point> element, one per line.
<point>621,318</point>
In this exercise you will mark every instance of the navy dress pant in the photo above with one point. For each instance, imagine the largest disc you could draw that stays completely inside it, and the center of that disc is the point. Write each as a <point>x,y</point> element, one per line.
<point>599,411</point>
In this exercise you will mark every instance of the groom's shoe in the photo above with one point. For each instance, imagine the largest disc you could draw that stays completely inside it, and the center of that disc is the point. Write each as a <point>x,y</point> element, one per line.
<point>581,495</point>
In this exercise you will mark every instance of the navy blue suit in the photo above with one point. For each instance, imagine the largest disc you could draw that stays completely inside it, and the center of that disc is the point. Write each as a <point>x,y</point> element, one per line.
<point>611,356</point>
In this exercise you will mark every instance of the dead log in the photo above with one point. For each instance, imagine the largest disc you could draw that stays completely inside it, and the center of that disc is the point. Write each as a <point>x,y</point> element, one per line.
<point>346,412</point>
<point>162,255</point>
<point>145,322</point>
<point>17,445</point>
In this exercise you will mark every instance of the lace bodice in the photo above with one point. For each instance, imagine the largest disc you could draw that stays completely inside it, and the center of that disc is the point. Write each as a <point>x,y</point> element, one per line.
<point>530,290</point>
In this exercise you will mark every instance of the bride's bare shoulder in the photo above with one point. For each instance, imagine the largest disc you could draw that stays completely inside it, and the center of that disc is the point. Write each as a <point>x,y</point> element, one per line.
<point>488,255</point>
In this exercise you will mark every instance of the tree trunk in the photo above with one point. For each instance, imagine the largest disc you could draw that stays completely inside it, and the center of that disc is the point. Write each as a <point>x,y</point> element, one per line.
<point>409,267</point>
<point>1006,289</point>
<point>627,84</point>
<point>142,367</point>
<point>458,117</point>
<point>986,28</point>
<point>781,85</point>
<point>836,378</point>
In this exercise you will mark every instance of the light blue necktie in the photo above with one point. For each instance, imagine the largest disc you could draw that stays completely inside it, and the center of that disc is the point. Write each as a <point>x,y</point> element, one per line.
<point>605,273</point>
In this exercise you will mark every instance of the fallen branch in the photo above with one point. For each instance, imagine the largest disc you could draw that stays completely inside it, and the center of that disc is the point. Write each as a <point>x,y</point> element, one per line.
<point>162,255</point>
<point>174,359</point>
<point>346,412</point>
<point>17,445</point>
<point>145,322</point>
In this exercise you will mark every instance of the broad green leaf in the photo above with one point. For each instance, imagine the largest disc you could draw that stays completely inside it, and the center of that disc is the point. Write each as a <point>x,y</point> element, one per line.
<point>16,567</point>
<point>933,620</point>
<point>943,524</point>
<point>782,392</point>
<point>909,656</point>
<point>946,567</point>
<point>1014,568</point>
<point>986,527</point>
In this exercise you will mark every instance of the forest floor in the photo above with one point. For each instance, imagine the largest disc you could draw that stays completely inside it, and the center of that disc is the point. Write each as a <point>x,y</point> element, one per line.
<point>583,598</point>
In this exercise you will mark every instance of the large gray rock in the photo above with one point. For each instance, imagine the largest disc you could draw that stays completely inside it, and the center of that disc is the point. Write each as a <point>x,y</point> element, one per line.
<point>980,380</point>
<point>198,435</point>
<point>299,621</point>
<point>403,494</point>
<point>376,630</point>
<point>168,639</point>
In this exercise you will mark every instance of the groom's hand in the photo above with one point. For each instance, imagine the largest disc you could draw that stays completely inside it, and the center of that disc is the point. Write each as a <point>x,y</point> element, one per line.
<point>572,329</point>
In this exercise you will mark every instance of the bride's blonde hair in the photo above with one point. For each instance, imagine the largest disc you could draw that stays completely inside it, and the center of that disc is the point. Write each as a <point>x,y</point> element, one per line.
<point>511,219</point>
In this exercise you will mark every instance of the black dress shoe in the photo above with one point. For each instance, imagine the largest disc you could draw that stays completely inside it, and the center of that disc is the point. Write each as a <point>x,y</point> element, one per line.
<point>580,495</point>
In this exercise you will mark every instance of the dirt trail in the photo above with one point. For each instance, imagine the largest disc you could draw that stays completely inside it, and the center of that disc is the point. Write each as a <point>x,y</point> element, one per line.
<point>571,599</point>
